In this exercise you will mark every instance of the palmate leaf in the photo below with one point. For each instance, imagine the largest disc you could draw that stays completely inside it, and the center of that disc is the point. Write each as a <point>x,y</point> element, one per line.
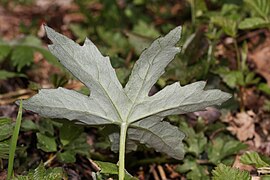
<point>110,103</point>
<point>22,51</point>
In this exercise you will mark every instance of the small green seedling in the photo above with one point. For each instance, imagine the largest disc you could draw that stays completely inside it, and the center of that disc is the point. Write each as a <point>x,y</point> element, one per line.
<point>139,116</point>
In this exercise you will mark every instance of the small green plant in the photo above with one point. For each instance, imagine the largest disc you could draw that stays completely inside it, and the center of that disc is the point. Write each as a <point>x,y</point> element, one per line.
<point>40,172</point>
<point>260,15</point>
<point>20,53</point>
<point>134,116</point>
<point>109,170</point>
<point>66,147</point>
<point>260,162</point>
<point>221,148</point>
<point>6,127</point>
<point>240,77</point>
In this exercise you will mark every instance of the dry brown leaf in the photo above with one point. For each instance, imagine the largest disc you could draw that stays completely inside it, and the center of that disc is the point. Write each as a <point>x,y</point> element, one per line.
<point>239,165</point>
<point>261,58</point>
<point>3,175</point>
<point>243,125</point>
<point>252,100</point>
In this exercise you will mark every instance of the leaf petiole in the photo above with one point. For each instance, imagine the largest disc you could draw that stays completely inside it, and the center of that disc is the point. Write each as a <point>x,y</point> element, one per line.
<point>122,146</point>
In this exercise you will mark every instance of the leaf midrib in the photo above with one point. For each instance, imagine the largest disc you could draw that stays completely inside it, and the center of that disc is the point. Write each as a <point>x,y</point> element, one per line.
<point>135,100</point>
<point>166,109</point>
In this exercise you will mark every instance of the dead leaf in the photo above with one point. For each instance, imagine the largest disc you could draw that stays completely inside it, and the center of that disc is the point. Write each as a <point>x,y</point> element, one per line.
<point>252,100</point>
<point>3,175</point>
<point>239,165</point>
<point>261,58</point>
<point>242,125</point>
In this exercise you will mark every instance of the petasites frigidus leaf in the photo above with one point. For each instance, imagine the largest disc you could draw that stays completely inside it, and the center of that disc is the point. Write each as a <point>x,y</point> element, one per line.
<point>110,103</point>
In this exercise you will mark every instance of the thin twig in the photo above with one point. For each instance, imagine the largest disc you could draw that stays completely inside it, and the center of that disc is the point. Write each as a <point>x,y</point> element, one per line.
<point>50,160</point>
<point>154,172</point>
<point>162,172</point>
<point>94,165</point>
<point>15,93</point>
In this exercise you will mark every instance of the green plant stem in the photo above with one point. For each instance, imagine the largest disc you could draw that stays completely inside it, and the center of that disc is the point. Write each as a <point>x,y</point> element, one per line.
<point>13,142</point>
<point>193,11</point>
<point>240,68</point>
<point>122,147</point>
<point>238,57</point>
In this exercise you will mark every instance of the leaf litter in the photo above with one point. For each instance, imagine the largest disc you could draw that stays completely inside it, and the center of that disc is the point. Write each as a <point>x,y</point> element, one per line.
<point>243,126</point>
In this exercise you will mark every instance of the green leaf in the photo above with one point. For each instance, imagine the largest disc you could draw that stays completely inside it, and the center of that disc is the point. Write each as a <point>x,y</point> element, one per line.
<point>4,149</point>
<point>79,145</point>
<point>34,43</point>
<point>251,79</point>
<point>6,128</point>
<point>46,143</point>
<point>79,31</point>
<point>139,42</point>
<point>231,78</point>
<point>5,50</point>
<point>253,23</point>
<point>66,157</point>
<point>110,168</point>
<point>196,142</point>
<point>29,125</point>
<point>260,7</point>
<point>110,103</point>
<point>253,158</point>
<point>4,120</point>
<point>40,173</point>
<point>228,25</point>
<point>192,169</point>
<point>222,147</point>
<point>21,52</point>
<point>6,75</point>
<point>145,29</point>
<point>46,127</point>
<point>223,172</point>
<point>116,40</point>
<point>264,88</point>
<point>107,168</point>
<point>65,133</point>
<point>22,56</point>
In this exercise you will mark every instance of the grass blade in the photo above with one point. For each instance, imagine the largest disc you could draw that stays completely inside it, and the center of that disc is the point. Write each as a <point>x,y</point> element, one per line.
<point>13,142</point>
